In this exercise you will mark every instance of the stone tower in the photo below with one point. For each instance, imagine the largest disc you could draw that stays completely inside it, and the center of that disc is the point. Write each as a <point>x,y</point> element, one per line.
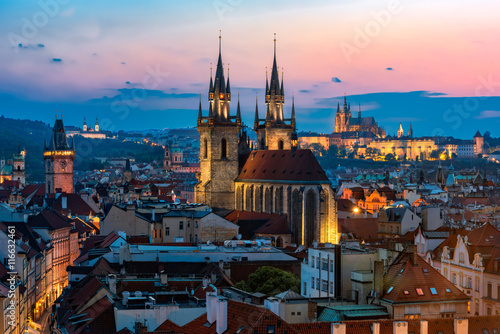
<point>401,132</point>
<point>85,125</point>
<point>96,127</point>
<point>18,168</point>
<point>58,157</point>
<point>275,132</point>
<point>478,143</point>
<point>343,116</point>
<point>219,138</point>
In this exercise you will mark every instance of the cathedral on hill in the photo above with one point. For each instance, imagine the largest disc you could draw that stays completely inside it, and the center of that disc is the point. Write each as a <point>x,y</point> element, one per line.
<point>276,178</point>
<point>345,122</point>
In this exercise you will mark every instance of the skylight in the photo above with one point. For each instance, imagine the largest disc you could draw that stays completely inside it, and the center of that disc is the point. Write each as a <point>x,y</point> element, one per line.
<point>406,292</point>
<point>448,290</point>
<point>433,291</point>
<point>420,292</point>
<point>390,289</point>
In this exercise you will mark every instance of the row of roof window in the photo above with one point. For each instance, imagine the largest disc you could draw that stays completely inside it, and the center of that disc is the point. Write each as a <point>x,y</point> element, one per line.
<point>419,291</point>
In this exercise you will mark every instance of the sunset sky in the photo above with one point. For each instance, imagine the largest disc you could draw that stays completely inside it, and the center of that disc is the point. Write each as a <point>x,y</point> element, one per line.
<point>143,64</point>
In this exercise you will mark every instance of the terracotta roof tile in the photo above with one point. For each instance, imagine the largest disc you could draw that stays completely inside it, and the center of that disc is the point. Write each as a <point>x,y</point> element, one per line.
<point>283,165</point>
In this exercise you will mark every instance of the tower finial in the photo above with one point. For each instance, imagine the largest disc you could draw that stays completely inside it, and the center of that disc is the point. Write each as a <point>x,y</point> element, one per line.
<point>274,45</point>
<point>220,38</point>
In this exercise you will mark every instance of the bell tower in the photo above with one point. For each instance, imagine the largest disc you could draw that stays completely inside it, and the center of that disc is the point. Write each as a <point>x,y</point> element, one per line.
<point>275,131</point>
<point>219,137</point>
<point>58,157</point>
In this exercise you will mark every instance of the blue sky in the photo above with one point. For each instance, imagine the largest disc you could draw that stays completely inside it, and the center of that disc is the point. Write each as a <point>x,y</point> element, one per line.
<point>140,65</point>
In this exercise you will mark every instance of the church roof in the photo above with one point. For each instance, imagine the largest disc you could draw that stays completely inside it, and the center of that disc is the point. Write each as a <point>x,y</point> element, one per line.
<point>282,165</point>
<point>362,121</point>
<point>478,134</point>
<point>58,141</point>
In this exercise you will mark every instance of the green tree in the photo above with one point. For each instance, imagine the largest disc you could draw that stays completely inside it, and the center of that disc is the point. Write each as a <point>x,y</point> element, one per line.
<point>389,157</point>
<point>271,281</point>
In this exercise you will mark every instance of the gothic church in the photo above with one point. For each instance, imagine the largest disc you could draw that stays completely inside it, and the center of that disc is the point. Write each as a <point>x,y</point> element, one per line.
<point>277,177</point>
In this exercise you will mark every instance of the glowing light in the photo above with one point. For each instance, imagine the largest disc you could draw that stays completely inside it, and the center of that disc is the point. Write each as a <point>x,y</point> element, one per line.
<point>356,210</point>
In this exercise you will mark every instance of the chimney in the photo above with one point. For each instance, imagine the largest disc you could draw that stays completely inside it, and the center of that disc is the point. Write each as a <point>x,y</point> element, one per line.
<point>376,328</point>
<point>378,277</point>
<point>461,326</point>
<point>163,278</point>
<point>400,327</point>
<point>64,201</point>
<point>112,283</point>
<point>211,307</point>
<point>221,324</point>
<point>337,328</point>
<point>125,295</point>
<point>412,250</point>
<point>424,327</point>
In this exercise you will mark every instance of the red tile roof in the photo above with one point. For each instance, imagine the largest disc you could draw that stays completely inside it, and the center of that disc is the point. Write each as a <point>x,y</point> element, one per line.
<point>50,219</point>
<point>404,278</point>
<point>265,223</point>
<point>364,228</point>
<point>282,165</point>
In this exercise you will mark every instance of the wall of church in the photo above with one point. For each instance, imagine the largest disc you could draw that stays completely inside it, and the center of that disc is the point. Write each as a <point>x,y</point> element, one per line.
<point>311,209</point>
<point>275,135</point>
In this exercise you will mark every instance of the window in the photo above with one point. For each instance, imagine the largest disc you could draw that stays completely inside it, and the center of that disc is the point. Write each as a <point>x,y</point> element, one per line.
<point>280,144</point>
<point>324,285</point>
<point>271,329</point>
<point>305,288</point>
<point>299,313</point>
<point>331,287</point>
<point>196,238</point>
<point>189,224</point>
<point>433,291</point>
<point>293,313</point>
<point>167,231</point>
<point>196,224</point>
<point>469,282</point>
<point>420,292</point>
<point>454,278</point>
<point>312,282</point>
<point>223,150</point>
<point>390,289</point>
<point>317,262</point>
<point>205,148</point>
<point>331,270</point>
<point>181,225</point>
<point>477,284</point>
<point>406,292</point>
<point>324,263</point>
<point>317,283</point>
<point>489,290</point>
<point>312,262</point>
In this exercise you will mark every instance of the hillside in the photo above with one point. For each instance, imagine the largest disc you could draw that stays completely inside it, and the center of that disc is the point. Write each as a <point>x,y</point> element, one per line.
<point>30,135</point>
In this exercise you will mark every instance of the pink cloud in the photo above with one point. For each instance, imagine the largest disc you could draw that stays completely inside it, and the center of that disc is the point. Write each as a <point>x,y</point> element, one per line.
<point>488,114</point>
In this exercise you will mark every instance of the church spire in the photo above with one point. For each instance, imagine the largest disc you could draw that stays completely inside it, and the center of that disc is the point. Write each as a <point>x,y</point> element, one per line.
<point>410,132</point>
<point>211,89</point>
<point>238,111</point>
<point>293,113</point>
<point>359,113</point>
<point>275,81</point>
<point>200,116</point>
<point>345,103</point>
<point>256,122</point>
<point>267,84</point>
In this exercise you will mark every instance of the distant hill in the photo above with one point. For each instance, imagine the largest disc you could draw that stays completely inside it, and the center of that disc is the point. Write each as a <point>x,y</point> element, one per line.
<point>30,135</point>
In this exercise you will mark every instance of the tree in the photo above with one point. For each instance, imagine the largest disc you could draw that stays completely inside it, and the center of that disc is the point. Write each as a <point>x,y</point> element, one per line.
<point>271,281</point>
<point>389,157</point>
<point>332,151</point>
<point>435,154</point>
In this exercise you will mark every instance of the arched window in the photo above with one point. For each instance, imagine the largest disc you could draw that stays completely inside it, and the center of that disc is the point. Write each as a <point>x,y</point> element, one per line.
<point>280,144</point>
<point>310,216</point>
<point>205,148</point>
<point>296,220</point>
<point>223,148</point>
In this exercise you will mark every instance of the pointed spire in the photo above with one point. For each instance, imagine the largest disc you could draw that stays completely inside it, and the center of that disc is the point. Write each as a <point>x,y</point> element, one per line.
<point>345,103</point>
<point>268,113</point>
<point>256,111</point>
<point>338,107</point>
<point>228,88</point>
<point>267,84</point>
<point>210,112</point>
<point>219,72</point>
<point>200,116</point>
<point>238,111</point>
<point>359,113</point>
<point>282,89</point>
<point>211,89</point>
<point>275,81</point>
<point>84,121</point>
<point>293,112</point>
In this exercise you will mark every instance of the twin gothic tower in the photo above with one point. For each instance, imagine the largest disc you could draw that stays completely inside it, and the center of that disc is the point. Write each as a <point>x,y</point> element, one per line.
<point>224,145</point>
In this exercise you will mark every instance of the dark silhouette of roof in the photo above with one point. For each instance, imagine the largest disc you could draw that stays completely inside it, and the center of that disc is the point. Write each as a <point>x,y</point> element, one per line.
<point>283,165</point>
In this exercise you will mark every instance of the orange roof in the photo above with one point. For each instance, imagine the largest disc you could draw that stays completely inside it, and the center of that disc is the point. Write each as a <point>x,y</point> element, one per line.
<point>406,282</point>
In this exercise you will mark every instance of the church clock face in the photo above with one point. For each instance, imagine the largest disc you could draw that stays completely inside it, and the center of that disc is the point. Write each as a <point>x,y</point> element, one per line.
<point>63,164</point>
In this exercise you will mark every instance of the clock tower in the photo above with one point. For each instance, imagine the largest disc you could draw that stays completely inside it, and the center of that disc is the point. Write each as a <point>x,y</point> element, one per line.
<point>58,157</point>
